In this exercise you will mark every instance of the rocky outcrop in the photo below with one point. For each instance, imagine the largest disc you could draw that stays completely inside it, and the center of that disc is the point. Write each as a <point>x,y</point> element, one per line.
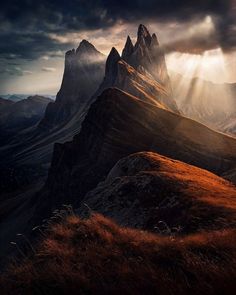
<point>128,49</point>
<point>148,54</point>
<point>83,73</point>
<point>119,124</point>
<point>152,192</point>
<point>139,83</point>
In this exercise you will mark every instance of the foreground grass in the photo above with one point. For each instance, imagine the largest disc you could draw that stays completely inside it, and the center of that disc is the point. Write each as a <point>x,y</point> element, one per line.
<point>96,256</point>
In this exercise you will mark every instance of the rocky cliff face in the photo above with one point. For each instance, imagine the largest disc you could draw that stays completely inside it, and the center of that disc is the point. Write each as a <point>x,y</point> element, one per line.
<point>147,53</point>
<point>152,192</point>
<point>119,124</point>
<point>136,78</point>
<point>83,73</point>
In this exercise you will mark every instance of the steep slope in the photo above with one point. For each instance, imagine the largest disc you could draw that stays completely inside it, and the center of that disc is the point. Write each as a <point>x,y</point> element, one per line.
<point>32,148</point>
<point>209,103</point>
<point>147,54</point>
<point>119,124</point>
<point>83,73</point>
<point>140,71</point>
<point>152,192</point>
<point>139,83</point>
<point>27,154</point>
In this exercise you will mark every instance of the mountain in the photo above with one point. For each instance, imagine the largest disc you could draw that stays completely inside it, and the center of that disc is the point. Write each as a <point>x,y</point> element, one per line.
<point>21,115</point>
<point>131,110</point>
<point>155,193</point>
<point>83,73</point>
<point>139,83</point>
<point>32,149</point>
<point>119,124</point>
<point>27,154</point>
<point>148,54</point>
<point>14,97</point>
<point>5,102</point>
<point>133,157</point>
<point>140,71</point>
<point>191,211</point>
<point>209,103</point>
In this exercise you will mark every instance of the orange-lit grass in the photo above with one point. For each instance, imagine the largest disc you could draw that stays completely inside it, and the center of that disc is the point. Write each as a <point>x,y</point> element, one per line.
<point>96,256</point>
<point>196,182</point>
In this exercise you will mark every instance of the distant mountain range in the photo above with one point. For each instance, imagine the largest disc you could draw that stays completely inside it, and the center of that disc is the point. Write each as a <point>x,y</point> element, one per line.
<point>18,97</point>
<point>20,115</point>
<point>206,102</point>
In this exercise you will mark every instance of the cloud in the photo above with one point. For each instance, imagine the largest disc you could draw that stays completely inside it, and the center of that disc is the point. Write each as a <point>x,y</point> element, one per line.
<point>27,72</point>
<point>45,69</point>
<point>46,29</point>
<point>196,38</point>
<point>16,71</point>
<point>28,45</point>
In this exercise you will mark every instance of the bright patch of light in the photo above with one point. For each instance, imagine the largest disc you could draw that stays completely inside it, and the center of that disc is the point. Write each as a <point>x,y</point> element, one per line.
<point>209,66</point>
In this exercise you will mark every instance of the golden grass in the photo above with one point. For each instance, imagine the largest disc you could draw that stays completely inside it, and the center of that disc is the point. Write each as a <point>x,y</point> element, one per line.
<point>96,256</point>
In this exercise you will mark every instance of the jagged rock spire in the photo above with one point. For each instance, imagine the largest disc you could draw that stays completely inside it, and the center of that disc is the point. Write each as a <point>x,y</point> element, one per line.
<point>143,36</point>
<point>154,40</point>
<point>128,49</point>
<point>111,64</point>
<point>148,55</point>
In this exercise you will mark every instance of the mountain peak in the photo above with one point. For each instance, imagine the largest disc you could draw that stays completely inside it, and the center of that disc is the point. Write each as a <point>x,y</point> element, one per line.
<point>147,56</point>
<point>143,35</point>
<point>154,40</point>
<point>128,49</point>
<point>111,64</point>
<point>113,57</point>
<point>114,52</point>
<point>142,30</point>
<point>86,47</point>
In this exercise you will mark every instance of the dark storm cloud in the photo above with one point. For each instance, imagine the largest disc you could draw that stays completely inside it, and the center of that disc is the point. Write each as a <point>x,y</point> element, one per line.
<point>26,24</point>
<point>28,45</point>
<point>77,14</point>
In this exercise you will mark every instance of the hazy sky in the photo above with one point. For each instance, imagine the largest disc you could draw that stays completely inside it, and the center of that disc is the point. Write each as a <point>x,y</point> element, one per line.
<point>199,37</point>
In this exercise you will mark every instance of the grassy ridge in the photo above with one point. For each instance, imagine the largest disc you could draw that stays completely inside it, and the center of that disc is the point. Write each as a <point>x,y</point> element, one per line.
<point>96,256</point>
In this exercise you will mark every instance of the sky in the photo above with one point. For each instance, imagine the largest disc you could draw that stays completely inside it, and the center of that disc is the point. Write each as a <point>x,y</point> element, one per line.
<point>199,37</point>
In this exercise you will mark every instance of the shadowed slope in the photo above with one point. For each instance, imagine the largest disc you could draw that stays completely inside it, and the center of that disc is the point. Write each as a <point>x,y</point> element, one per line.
<point>83,73</point>
<point>117,125</point>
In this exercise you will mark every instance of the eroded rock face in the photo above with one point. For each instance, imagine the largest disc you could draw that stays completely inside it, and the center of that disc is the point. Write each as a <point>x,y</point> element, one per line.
<point>152,192</point>
<point>83,73</point>
<point>139,83</point>
<point>128,49</point>
<point>148,54</point>
<point>119,124</point>
<point>140,71</point>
